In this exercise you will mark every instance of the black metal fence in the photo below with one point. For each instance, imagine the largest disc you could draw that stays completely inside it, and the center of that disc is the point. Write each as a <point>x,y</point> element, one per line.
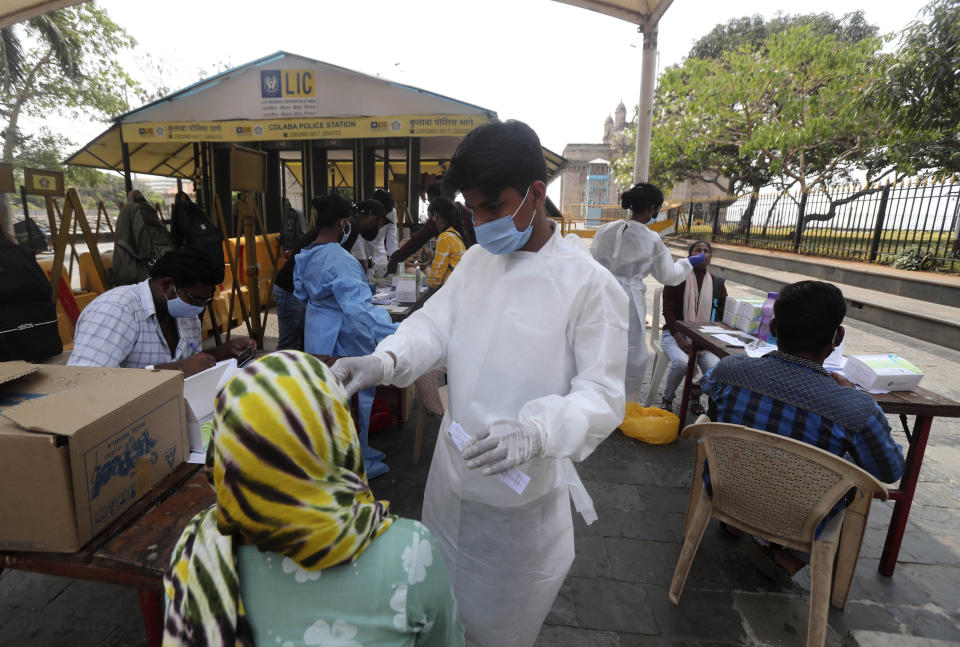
<point>910,225</point>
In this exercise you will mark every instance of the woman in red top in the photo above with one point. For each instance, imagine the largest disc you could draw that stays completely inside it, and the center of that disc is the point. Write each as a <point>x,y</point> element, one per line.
<point>700,298</point>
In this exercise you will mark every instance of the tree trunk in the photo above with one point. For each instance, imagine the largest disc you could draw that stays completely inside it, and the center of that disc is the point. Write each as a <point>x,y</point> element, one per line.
<point>12,139</point>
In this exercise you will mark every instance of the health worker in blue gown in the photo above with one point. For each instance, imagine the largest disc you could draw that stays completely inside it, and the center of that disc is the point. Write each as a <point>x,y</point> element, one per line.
<point>341,320</point>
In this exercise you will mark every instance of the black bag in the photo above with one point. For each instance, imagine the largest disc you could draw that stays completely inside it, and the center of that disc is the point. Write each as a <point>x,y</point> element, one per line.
<point>140,242</point>
<point>291,230</point>
<point>192,228</point>
<point>28,318</point>
<point>29,235</point>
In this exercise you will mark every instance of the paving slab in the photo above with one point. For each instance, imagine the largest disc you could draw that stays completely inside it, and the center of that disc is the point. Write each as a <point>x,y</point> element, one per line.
<point>881,639</point>
<point>610,605</point>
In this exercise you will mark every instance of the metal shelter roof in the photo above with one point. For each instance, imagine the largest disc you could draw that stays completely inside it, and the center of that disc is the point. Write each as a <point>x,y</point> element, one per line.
<point>639,12</point>
<point>277,97</point>
<point>12,11</point>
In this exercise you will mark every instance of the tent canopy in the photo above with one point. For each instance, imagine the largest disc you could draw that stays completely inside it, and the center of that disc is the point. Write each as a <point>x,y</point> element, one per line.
<point>639,12</point>
<point>12,11</point>
<point>283,97</point>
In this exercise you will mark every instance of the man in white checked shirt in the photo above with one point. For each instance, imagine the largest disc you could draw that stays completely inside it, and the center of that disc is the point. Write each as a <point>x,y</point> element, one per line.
<point>154,323</point>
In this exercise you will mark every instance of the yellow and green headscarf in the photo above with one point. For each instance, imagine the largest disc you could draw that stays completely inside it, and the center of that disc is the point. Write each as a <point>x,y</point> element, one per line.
<point>286,464</point>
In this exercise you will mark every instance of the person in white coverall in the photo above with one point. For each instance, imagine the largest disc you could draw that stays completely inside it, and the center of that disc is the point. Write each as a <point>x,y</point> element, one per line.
<point>631,251</point>
<point>533,333</point>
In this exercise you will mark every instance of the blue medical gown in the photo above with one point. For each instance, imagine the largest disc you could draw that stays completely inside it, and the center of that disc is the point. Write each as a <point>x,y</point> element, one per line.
<point>341,319</point>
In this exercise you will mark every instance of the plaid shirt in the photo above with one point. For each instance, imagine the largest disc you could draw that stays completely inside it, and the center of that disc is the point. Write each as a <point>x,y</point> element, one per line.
<point>120,328</point>
<point>793,397</point>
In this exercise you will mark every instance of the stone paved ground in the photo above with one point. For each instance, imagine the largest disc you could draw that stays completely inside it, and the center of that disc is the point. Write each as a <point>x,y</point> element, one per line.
<point>615,595</point>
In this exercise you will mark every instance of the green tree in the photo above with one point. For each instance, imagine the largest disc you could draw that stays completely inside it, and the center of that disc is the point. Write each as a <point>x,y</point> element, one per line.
<point>921,87</point>
<point>95,87</point>
<point>753,31</point>
<point>52,32</point>
<point>817,123</point>
<point>790,113</point>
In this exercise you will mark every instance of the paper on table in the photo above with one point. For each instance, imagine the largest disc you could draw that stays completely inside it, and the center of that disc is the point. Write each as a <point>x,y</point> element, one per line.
<point>730,340</point>
<point>512,478</point>
<point>759,348</point>
<point>838,370</point>
<point>709,330</point>
<point>200,390</point>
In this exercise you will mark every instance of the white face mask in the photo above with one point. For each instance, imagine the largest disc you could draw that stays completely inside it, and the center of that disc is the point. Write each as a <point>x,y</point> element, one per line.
<point>180,309</point>
<point>501,236</point>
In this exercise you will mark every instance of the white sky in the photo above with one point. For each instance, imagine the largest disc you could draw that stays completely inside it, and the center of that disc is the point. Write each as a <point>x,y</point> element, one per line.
<point>560,68</point>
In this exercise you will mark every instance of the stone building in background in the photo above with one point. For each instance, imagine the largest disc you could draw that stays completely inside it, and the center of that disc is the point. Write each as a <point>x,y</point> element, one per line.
<point>587,178</point>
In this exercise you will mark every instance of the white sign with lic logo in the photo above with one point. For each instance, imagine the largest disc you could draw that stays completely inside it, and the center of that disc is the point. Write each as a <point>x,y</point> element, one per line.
<point>287,92</point>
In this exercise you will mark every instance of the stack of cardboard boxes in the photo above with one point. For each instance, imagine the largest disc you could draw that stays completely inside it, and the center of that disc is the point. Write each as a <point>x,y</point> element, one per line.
<point>743,313</point>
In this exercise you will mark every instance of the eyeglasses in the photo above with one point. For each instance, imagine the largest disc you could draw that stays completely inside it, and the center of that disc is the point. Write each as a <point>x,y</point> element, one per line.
<point>193,299</point>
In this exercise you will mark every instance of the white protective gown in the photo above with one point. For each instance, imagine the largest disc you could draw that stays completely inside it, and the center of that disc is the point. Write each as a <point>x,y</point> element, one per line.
<point>530,336</point>
<point>380,248</point>
<point>631,251</point>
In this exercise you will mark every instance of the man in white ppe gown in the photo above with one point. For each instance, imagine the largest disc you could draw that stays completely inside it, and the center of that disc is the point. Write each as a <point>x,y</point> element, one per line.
<point>533,333</point>
<point>631,251</point>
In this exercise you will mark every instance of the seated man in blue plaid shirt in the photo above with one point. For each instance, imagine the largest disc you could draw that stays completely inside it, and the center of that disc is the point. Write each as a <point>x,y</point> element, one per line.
<point>154,323</point>
<point>788,392</point>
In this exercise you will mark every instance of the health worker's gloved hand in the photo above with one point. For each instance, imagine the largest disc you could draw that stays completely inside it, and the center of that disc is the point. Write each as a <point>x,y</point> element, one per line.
<point>356,373</point>
<point>698,259</point>
<point>504,444</point>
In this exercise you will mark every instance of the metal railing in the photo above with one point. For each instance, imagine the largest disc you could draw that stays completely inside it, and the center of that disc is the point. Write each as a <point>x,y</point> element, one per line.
<point>913,224</point>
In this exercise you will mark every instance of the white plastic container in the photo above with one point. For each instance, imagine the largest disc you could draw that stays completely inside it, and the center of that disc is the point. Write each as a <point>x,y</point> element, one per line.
<point>883,372</point>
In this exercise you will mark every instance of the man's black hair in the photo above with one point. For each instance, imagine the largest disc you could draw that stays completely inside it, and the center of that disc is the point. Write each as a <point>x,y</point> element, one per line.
<point>435,190</point>
<point>808,314</point>
<point>641,197</point>
<point>494,156</point>
<point>330,209</point>
<point>385,198</point>
<point>449,212</point>
<point>186,266</point>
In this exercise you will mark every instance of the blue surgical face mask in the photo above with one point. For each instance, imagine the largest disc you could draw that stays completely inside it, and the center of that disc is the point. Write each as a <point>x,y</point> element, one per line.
<point>180,309</point>
<point>501,236</point>
<point>346,233</point>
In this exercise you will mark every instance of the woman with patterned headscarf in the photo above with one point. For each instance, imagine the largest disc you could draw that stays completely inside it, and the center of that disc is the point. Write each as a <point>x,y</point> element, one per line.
<point>296,550</point>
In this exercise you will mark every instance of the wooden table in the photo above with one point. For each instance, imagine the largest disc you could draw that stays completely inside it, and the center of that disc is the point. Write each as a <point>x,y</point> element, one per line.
<point>135,549</point>
<point>924,405</point>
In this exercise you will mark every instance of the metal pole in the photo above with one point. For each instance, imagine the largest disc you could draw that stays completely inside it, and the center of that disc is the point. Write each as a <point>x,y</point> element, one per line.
<point>641,160</point>
<point>386,165</point>
<point>413,179</point>
<point>127,180</point>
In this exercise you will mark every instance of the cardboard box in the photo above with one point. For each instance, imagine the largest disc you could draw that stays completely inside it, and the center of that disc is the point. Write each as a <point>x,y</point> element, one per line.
<point>408,287</point>
<point>882,372</point>
<point>730,310</point>
<point>200,397</point>
<point>749,312</point>
<point>79,445</point>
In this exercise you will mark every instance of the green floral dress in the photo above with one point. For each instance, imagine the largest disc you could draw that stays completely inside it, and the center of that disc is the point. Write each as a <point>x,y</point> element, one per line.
<point>395,594</point>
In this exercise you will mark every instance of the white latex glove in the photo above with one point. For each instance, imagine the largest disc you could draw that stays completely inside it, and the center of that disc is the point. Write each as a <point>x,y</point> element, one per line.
<point>504,444</point>
<point>357,373</point>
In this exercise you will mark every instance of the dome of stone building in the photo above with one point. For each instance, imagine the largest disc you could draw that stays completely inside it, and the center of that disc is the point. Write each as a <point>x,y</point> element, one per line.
<point>621,114</point>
